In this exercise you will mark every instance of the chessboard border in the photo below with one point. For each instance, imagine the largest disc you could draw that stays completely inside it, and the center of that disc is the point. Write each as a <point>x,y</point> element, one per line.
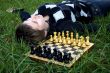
<point>34,57</point>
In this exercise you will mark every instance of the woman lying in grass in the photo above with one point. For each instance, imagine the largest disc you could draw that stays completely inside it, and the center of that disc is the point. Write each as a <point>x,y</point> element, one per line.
<point>68,15</point>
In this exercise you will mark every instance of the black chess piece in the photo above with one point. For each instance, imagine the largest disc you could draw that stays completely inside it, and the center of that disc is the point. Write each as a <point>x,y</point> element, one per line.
<point>67,57</point>
<point>55,51</point>
<point>70,57</point>
<point>32,51</point>
<point>49,54</point>
<point>38,51</point>
<point>59,56</point>
<point>45,51</point>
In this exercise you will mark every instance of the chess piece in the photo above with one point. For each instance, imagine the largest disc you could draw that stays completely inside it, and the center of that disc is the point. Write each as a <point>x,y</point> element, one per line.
<point>63,34</point>
<point>59,37</point>
<point>59,56</point>
<point>71,37</point>
<point>38,51</point>
<point>55,34</point>
<point>55,37</point>
<point>60,40</point>
<point>68,40</point>
<point>87,41</point>
<point>49,54</point>
<point>56,40</point>
<point>55,51</point>
<point>51,38</point>
<point>67,34</point>
<point>74,42</point>
<point>64,40</point>
<point>79,42</point>
<point>84,44</point>
<point>44,51</point>
<point>32,51</point>
<point>66,57</point>
<point>58,34</point>
<point>82,39</point>
<point>77,35</point>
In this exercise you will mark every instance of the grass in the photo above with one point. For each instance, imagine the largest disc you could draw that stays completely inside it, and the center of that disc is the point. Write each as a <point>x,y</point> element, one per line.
<point>13,60</point>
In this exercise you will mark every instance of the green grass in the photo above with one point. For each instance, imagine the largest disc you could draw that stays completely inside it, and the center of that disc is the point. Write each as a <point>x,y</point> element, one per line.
<point>13,60</point>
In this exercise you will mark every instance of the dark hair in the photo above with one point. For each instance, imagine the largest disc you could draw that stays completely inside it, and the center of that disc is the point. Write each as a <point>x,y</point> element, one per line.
<point>28,34</point>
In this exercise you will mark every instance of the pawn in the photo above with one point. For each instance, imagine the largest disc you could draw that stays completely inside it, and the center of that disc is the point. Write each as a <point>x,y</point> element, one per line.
<point>74,42</point>
<point>62,34</point>
<point>87,41</point>
<point>60,40</point>
<point>56,40</point>
<point>59,34</point>
<point>82,39</point>
<point>69,41</point>
<point>64,40</point>
<point>71,37</point>
<point>55,34</point>
<point>79,42</point>
<point>84,44</point>
<point>51,38</point>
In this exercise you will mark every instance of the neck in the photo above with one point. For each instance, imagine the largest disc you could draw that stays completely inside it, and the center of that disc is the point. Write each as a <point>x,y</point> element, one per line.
<point>46,33</point>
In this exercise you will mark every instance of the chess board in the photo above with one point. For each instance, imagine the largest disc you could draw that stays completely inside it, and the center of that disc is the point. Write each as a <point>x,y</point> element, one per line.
<point>59,53</point>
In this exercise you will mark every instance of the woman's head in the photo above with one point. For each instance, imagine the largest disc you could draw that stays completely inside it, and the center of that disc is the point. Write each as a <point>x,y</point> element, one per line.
<point>28,34</point>
<point>33,29</point>
<point>37,22</point>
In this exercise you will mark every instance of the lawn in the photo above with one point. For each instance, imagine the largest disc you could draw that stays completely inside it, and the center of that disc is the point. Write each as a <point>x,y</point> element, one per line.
<point>12,53</point>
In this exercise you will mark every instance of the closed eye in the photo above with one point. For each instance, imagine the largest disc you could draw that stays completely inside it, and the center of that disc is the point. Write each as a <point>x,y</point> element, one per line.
<point>35,22</point>
<point>47,22</point>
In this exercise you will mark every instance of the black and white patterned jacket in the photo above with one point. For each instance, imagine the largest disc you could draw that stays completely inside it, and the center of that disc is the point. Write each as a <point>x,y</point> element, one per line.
<point>61,13</point>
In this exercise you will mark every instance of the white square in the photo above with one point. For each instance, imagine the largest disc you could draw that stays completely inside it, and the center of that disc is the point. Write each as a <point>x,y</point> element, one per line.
<point>58,15</point>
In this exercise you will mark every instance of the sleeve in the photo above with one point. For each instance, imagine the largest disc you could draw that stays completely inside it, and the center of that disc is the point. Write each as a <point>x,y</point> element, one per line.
<point>46,9</point>
<point>43,10</point>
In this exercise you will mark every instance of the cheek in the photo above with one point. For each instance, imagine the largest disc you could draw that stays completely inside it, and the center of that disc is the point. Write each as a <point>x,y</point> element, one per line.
<point>40,21</point>
<point>34,26</point>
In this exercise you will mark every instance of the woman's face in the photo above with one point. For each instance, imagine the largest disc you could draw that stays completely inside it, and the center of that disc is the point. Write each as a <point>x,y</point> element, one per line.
<point>37,22</point>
